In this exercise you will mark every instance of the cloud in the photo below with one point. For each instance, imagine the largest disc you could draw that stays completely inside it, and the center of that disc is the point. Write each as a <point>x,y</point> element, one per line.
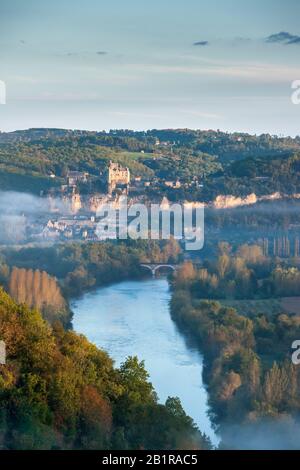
<point>201,43</point>
<point>254,72</point>
<point>283,38</point>
<point>240,40</point>
<point>229,42</point>
<point>279,38</point>
<point>83,53</point>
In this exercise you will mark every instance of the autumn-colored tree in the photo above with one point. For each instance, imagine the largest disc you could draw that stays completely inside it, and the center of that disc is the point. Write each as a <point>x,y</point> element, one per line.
<point>276,384</point>
<point>223,264</point>
<point>36,289</point>
<point>251,253</point>
<point>186,272</point>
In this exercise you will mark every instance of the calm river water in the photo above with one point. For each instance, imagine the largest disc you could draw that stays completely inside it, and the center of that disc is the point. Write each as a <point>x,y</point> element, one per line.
<point>133,318</point>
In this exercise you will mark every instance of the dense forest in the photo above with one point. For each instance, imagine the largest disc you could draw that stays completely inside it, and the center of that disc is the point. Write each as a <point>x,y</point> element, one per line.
<point>225,163</point>
<point>58,391</point>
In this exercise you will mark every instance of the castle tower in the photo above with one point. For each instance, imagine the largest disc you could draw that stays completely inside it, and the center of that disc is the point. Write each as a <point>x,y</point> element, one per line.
<point>117,176</point>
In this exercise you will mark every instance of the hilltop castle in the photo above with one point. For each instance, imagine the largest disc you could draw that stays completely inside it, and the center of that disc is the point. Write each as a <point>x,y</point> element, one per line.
<point>118,177</point>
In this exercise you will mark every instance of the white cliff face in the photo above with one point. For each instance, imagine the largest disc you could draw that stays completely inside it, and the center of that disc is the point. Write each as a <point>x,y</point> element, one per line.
<point>76,203</point>
<point>272,197</point>
<point>193,205</point>
<point>227,202</point>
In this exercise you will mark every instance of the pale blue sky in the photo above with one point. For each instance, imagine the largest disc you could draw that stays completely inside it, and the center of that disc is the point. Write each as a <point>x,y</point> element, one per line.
<point>133,64</point>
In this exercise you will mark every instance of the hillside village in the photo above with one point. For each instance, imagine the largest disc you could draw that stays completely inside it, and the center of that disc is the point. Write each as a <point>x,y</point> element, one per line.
<point>71,212</point>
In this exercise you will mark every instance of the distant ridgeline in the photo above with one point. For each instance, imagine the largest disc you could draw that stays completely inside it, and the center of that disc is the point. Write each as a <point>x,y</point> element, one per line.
<point>203,164</point>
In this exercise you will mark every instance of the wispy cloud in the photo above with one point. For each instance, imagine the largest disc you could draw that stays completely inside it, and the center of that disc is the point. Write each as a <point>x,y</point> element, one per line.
<point>253,72</point>
<point>235,41</point>
<point>201,114</point>
<point>83,53</point>
<point>201,43</point>
<point>283,38</point>
<point>189,112</point>
<point>240,40</point>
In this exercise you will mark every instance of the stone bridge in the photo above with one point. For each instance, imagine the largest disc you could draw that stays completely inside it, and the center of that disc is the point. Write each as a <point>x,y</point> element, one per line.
<point>155,267</point>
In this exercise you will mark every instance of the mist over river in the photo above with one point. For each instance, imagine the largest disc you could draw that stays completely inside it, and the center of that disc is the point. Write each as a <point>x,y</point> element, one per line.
<point>133,318</point>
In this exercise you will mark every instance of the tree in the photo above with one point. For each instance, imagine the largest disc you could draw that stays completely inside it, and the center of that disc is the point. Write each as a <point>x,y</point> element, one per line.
<point>223,264</point>
<point>38,289</point>
<point>230,384</point>
<point>135,381</point>
<point>276,385</point>
<point>186,272</point>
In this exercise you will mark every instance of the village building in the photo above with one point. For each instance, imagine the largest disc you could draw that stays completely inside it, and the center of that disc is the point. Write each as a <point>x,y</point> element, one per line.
<point>96,201</point>
<point>75,177</point>
<point>173,184</point>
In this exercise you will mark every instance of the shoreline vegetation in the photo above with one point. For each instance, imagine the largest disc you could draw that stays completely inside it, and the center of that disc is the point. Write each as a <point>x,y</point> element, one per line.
<point>252,382</point>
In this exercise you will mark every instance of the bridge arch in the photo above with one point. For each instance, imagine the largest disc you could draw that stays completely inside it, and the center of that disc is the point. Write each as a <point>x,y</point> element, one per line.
<point>155,267</point>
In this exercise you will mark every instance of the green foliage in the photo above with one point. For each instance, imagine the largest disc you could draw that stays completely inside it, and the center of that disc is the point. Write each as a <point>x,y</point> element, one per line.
<point>226,163</point>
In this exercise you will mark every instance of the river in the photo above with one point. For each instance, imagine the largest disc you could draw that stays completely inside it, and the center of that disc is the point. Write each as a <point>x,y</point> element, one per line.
<point>133,318</point>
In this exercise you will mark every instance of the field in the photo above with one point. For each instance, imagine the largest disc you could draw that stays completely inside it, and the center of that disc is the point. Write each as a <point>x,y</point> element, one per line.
<point>251,308</point>
<point>268,307</point>
<point>291,304</point>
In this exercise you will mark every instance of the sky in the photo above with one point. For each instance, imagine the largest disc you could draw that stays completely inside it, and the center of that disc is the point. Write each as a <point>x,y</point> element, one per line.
<point>94,64</point>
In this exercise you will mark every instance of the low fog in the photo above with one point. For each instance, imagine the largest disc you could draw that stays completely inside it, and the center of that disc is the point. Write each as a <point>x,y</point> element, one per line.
<point>280,434</point>
<point>16,210</point>
<point>15,203</point>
